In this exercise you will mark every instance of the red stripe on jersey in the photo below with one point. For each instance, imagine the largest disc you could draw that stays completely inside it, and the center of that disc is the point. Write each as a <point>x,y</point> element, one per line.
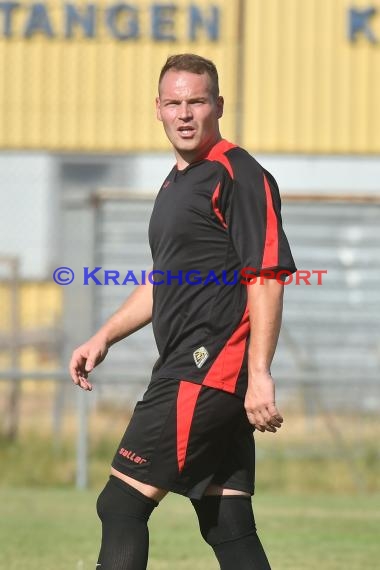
<point>224,372</point>
<point>217,154</point>
<point>270,257</point>
<point>186,400</point>
<point>214,201</point>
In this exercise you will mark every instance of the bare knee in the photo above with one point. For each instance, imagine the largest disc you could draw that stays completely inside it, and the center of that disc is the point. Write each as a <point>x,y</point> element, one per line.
<point>148,490</point>
<point>217,490</point>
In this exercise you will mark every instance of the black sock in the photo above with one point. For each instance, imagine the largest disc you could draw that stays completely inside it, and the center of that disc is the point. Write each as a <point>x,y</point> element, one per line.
<point>124,513</point>
<point>227,524</point>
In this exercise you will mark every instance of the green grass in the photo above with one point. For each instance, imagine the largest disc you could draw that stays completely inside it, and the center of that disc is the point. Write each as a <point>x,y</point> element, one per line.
<point>310,509</point>
<point>34,461</point>
<point>57,529</point>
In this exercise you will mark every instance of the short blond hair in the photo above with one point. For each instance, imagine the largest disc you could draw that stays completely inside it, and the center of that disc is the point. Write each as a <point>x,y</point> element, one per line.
<point>194,64</point>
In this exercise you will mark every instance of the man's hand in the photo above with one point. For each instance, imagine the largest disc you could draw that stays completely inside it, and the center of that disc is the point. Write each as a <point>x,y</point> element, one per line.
<point>84,360</point>
<point>135,313</point>
<point>260,403</point>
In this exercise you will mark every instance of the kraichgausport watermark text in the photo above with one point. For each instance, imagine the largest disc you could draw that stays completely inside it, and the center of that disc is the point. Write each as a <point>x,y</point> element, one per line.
<point>246,276</point>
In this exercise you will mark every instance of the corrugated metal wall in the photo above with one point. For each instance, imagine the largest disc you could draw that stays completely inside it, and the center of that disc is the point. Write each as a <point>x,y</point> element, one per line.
<point>121,244</point>
<point>332,340</point>
<point>292,79</point>
<point>310,89</point>
<point>98,94</point>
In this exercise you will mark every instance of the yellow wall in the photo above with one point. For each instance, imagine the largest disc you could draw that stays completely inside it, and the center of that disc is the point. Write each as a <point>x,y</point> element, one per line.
<point>39,308</point>
<point>310,89</point>
<point>98,94</point>
<point>305,88</point>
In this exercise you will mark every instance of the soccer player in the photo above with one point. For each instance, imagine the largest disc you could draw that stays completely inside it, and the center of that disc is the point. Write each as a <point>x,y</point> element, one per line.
<point>218,251</point>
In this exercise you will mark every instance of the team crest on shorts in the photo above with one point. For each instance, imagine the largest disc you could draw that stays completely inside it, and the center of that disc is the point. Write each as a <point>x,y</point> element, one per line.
<point>200,356</point>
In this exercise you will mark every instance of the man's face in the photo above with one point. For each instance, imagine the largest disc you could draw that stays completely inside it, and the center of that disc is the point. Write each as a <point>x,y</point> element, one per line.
<point>189,112</point>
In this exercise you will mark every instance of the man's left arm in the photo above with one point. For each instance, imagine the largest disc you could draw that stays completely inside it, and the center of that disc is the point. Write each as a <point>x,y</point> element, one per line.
<point>265,298</point>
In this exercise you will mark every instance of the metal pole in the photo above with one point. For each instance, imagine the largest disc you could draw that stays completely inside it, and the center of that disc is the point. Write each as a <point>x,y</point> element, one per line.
<point>240,63</point>
<point>79,218</point>
<point>15,391</point>
<point>82,440</point>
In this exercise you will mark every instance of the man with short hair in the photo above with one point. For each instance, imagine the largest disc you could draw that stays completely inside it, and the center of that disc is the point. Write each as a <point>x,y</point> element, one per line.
<point>218,250</point>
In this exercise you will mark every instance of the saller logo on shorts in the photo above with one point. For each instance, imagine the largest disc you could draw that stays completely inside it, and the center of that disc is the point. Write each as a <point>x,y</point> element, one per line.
<point>200,356</point>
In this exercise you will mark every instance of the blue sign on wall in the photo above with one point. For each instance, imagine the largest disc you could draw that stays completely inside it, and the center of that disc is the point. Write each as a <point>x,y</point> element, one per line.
<point>359,24</point>
<point>121,20</point>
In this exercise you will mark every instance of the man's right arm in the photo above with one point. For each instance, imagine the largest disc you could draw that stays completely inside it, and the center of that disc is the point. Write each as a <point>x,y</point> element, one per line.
<point>133,315</point>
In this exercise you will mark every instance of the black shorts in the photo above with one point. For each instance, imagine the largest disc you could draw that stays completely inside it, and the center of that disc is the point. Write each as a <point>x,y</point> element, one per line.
<point>183,436</point>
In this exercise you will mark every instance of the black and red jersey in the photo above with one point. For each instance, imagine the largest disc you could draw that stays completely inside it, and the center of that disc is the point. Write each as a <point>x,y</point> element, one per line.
<point>209,222</point>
